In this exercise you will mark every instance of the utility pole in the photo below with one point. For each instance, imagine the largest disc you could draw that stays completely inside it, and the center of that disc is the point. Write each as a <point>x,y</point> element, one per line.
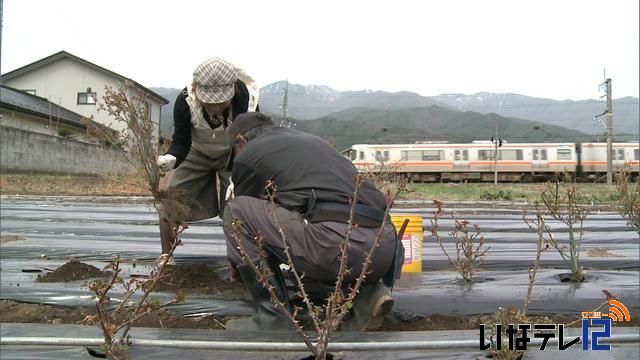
<point>1,16</point>
<point>495,157</point>
<point>497,142</point>
<point>285,122</point>
<point>609,112</point>
<point>609,134</point>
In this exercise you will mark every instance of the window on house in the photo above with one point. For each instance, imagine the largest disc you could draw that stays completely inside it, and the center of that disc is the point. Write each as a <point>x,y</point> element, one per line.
<point>87,98</point>
<point>147,106</point>
<point>510,155</point>
<point>563,154</point>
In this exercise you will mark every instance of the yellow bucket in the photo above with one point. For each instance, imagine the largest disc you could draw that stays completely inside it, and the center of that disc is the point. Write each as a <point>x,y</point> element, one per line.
<point>411,240</point>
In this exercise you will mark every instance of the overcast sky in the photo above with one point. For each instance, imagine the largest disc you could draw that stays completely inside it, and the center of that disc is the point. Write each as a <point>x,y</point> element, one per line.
<point>556,49</point>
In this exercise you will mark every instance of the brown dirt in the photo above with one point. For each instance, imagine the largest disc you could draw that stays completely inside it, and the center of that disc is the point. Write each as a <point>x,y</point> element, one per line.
<point>198,277</point>
<point>601,252</point>
<point>10,238</point>
<point>72,271</point>
<point>15,312</point>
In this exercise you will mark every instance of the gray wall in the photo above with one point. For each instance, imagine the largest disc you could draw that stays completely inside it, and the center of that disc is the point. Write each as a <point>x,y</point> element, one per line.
<point>22,150</point>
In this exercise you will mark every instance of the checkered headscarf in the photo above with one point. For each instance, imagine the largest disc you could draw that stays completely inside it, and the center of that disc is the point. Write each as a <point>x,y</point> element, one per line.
<point>214,81</point>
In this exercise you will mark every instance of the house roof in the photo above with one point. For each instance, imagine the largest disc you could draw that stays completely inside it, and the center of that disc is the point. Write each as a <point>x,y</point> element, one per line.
<point>65,55</point>
<point>17,100</point>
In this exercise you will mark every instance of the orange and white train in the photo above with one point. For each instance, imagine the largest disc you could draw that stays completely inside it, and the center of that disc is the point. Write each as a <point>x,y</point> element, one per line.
<point>422,162</point>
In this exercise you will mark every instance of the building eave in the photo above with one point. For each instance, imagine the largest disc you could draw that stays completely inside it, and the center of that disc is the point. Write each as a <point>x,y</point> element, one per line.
<point>65,55</point>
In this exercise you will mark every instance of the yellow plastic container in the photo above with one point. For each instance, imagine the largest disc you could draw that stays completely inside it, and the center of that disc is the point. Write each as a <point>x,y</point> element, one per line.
<point>411,240</point>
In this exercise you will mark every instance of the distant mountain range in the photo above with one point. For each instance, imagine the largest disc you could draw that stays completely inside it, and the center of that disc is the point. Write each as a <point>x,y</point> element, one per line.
<point>432,123</point>
<point>312,101</point>
<point>348,117</point>
<point>578,115</point>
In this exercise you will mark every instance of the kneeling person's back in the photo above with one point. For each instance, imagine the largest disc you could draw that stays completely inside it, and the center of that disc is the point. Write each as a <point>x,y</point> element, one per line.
<point>303,168</point>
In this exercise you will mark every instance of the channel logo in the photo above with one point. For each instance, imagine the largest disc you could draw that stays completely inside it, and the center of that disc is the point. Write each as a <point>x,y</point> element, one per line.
<point>596,326</point>
<point>617,311</point>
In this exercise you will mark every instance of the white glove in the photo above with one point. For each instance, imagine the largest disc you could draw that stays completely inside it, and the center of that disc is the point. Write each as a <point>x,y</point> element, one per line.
<point>166,162</point>
<point>229,194</point>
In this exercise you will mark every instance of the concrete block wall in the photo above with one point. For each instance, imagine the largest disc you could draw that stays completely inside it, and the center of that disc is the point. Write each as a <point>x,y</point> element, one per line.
<point>22,150</point>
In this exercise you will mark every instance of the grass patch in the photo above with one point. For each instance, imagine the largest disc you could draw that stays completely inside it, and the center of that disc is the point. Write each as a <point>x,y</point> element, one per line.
<point>69,185</point>
<point>598,194</point>
<point>78,185</point>
<point>498,195</point>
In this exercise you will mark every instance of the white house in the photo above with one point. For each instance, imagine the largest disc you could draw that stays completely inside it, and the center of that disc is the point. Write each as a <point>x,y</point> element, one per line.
<point>75,84</point>
<point>32,113</point>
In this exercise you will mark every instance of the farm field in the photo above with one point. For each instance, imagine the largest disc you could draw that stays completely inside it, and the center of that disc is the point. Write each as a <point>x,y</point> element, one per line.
<point>41,236</point>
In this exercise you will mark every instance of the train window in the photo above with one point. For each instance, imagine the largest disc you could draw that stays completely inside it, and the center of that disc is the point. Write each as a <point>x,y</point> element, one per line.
<point>361,155</point>
<point>382,155</point>
<point>636,153</point>
<point>485,154</point>
<point>353,154</point>
<point>563,154</point>
<point>540,154</point>
<point>619,154</point>
<point>432,155</point>
<point>461,155</point>
<point>411,155</point>
<point>510,155</point>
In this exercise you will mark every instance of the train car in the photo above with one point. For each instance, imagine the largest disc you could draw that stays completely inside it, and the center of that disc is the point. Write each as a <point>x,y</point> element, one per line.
<point>471,162</point>
<point>593,158</point>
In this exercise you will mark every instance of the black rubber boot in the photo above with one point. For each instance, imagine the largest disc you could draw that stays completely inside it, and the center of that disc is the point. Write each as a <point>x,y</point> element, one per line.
<point>268,317</point>
<point>370,306</point>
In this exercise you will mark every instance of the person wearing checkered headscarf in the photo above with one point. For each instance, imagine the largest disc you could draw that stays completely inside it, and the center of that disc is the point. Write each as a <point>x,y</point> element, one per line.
<point>202,114</point>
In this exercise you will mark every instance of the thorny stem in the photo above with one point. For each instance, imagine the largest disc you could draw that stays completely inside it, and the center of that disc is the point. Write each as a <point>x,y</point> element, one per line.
<point>270,188</point>
<point>629,203</point>
<point>344,255</point>
<point>468,259</point>
<point>366,263</point>
<point>539,227</point>
<point>163,265</point>
<point>574,215</point>
<point>264,279</point>
<point>102,318</point>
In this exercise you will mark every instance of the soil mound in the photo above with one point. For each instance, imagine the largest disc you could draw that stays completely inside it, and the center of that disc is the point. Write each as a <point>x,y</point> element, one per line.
<point>202,277</point>
<point>10,238</point>
<point>72,271</point>
<point>15,312</point>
